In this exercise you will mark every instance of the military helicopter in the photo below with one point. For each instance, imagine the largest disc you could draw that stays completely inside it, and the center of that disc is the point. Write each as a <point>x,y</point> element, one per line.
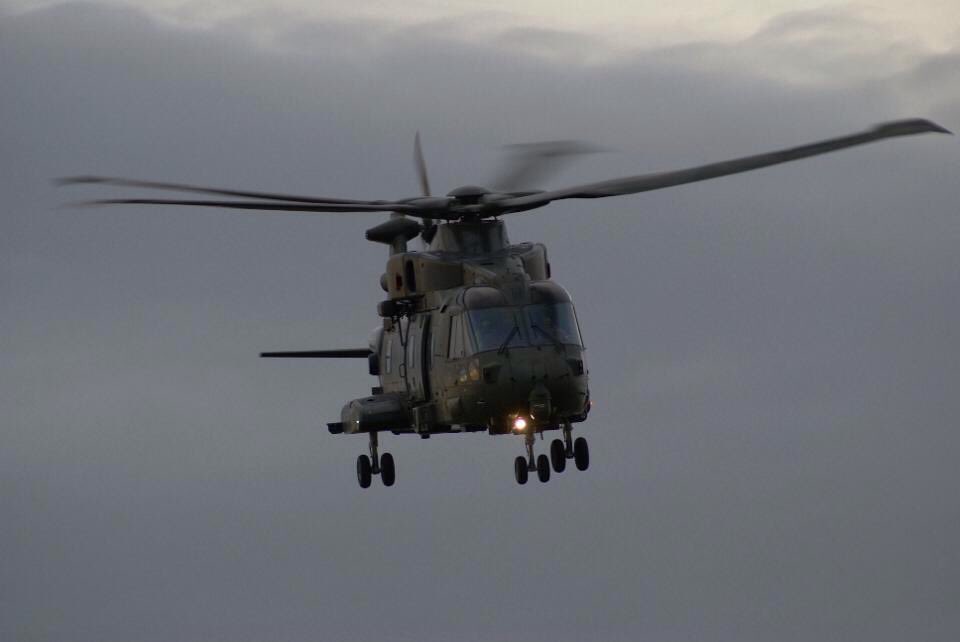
<point>474,334</point>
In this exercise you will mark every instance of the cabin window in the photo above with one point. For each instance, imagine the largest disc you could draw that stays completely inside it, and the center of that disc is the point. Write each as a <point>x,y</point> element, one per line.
<point>411,358</point>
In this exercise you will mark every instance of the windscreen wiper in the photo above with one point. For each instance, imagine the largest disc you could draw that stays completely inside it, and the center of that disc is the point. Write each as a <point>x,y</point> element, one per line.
<point>513,332</point>
<point>550,337</point>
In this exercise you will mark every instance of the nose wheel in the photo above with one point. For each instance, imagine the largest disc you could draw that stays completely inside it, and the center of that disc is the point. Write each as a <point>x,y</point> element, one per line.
<point>560,451</point>
<point>376,464</point>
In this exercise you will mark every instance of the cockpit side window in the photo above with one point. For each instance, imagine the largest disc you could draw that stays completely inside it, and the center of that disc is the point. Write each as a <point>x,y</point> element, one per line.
<point>456,338</point>
<point>459,345</point>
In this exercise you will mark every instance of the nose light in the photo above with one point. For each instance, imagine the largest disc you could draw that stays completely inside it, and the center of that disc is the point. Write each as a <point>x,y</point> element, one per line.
<point>519,424</point>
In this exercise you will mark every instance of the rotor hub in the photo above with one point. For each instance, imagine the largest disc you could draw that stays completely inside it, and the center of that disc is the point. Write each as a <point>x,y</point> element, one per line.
<point>468,194</point>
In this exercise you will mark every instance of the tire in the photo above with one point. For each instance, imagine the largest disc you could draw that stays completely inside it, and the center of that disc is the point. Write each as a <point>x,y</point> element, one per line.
<point>388,470</point>
<point>543,468</point>
<point>364,471</point>
<point>558,456</point>
<point>581,453</point>
<point>520,470</point>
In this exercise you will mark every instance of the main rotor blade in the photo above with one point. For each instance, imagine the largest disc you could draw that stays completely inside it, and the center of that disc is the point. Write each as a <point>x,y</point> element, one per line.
<point>421,165</point>
<point>181,187</point>
<point>647,182</point>
<point>320,354</point>
<point>529,163</point>
<point>255,205</point>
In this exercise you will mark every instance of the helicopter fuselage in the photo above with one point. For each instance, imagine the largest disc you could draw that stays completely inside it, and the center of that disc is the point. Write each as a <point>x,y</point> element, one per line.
<point>475,337</point>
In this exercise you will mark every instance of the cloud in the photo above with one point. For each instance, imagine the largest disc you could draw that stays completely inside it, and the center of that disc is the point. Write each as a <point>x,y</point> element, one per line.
<point>771,354</point>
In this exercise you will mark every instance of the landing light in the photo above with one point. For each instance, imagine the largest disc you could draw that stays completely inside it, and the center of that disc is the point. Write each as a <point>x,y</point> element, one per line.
<point>519,424</point>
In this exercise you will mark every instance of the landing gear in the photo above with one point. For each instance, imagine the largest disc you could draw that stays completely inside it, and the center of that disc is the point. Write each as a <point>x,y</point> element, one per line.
<point>520,469</point>
<point>388,471</point>
<point>581,454</point>
<point>543,468</point>
<point>577,450</point>
<point>558,455</point>
<point>364,471</point>
<point>560,451</point>
<point>523,466</point>
<point>376,464</point>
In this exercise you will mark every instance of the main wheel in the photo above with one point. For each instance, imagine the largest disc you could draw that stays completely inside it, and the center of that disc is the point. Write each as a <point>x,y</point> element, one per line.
<point>520,469</point>
<point>581,453</point>
<point>364,471</point>
<point>388,471</point>
<point>558,455</point>
<point>543,468</point>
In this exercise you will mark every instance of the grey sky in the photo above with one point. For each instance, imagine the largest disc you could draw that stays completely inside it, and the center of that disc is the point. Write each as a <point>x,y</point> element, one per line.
<point>775,431</point>
<point>639,24</point>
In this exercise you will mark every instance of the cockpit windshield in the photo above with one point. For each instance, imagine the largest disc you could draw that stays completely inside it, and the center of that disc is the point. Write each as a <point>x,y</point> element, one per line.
<point>492,326</point>
<point>552,323</point>
<point>530,325</point>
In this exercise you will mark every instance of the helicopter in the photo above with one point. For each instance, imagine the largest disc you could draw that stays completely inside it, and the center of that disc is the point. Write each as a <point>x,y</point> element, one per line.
<point>474,335</point>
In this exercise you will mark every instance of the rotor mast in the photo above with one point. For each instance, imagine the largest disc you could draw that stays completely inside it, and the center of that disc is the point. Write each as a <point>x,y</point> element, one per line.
<point>400,229</point>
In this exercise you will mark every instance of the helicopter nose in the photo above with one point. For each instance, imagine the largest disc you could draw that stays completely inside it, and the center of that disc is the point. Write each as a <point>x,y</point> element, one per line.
<point>541,385</point>
<point>539,402</point>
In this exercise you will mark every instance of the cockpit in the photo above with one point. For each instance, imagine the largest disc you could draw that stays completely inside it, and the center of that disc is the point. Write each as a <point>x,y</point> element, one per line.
<point>489,324</point>
<point>528,325</point>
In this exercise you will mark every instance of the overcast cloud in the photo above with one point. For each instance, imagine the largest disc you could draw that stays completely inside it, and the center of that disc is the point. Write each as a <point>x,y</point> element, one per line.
<point>774,439</point>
